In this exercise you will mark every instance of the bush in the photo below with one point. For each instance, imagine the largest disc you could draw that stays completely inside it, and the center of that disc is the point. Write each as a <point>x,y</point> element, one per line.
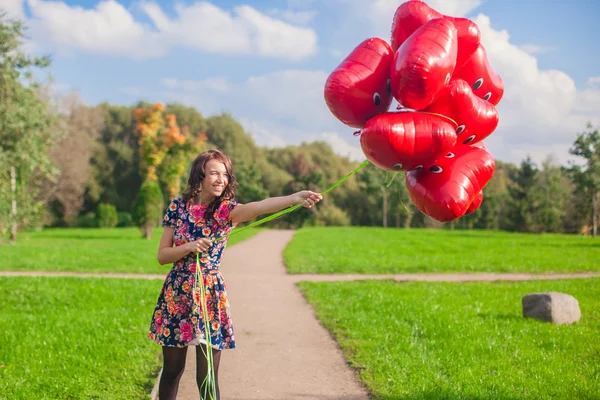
<point>148,209</point>
<point>124,219</point>
<point>87,220</point>
<point>106,215</point>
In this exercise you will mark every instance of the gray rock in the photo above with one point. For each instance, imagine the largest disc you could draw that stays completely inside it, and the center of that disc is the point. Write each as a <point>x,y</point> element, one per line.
<point>555,307</point>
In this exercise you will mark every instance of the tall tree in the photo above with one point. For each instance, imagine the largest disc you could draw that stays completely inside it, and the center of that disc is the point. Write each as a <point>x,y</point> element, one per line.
<point>72,155</point>
<point>525,197</point>
<point>587,177</point>
<point>114,176</point>
<point>28,130</point>
<point>152,140</point>
<point>554,196</point>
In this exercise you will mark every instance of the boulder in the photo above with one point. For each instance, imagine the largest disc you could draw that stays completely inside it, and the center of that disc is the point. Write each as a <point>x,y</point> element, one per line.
<point>555,307</point>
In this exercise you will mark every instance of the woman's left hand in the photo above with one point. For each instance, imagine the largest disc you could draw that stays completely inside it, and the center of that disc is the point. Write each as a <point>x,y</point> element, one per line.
<point>309,198</point>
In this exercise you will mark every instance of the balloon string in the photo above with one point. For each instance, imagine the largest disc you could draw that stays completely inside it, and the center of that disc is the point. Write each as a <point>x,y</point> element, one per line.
<point>294,207</point>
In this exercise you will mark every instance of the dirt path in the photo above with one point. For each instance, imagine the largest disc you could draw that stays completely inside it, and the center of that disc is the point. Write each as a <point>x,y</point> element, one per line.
<point>282,351</point>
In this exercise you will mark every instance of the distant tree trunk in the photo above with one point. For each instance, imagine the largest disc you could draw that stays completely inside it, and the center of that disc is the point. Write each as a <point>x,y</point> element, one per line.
<point>13,189</point>
<point>385,209</point>
<point>594,214</point>
<point>397,220</point>
<point>451,225</point>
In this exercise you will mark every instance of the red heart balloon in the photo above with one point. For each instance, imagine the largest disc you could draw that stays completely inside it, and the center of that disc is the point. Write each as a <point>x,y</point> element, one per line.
<point>401,141</point>
<point>424,64</point>
<point>411,15</point>
<point>358,88</point>
<point>446,189</point>
<point>475,117</point>
<point>469,37</point>
<point>478,73</point>
<point>475,204</point>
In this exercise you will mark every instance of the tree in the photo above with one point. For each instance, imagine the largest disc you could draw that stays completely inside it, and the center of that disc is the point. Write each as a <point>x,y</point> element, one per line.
<point>554,196</point>
<point>114,166</point>
<point>587,177</point>
<point>525,197</point>
<point>164,151</point>
<point>27,132</point>
<point>250,183</point>
<point>72,155</point>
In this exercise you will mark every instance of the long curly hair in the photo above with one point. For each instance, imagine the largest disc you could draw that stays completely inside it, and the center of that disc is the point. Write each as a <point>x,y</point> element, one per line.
<point>197,175</point>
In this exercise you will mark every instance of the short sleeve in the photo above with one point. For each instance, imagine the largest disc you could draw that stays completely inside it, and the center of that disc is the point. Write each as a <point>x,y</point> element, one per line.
<point>223,214</point>
<point>172,213</point>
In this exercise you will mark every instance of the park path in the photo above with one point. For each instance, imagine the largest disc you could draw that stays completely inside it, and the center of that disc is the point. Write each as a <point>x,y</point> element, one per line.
<point>282,350</point>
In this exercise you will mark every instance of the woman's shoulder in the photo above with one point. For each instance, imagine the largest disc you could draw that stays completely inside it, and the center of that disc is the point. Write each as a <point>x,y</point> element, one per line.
<point>177,202</point>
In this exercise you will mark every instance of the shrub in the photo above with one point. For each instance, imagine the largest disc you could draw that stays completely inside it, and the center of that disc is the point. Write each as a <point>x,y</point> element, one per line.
<point>88,220</point>
<point>148,208</point>
<point>124,219</point>
<point>106,215</point>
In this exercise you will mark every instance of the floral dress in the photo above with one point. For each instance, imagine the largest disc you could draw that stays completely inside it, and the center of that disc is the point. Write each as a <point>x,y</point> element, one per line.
<point>177,321</point>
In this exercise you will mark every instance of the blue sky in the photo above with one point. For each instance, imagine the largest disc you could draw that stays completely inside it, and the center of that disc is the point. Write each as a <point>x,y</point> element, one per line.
<point>124,51</point>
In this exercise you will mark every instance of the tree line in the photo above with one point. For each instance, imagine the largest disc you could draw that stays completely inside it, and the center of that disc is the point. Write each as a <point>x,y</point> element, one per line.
<point>65,163</point>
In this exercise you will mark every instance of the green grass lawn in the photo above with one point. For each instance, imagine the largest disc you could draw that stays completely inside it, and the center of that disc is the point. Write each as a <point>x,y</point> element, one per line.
<point>379,251</point>
<point>90,250</point>
<point>75,338</point>
<point>462,341</point>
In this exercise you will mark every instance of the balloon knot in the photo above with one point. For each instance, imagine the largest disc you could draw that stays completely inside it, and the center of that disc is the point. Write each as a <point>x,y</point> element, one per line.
<point>357,133</point>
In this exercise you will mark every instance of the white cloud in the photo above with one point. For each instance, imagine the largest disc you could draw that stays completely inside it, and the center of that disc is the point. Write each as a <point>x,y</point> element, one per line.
<point>14,9</point>
<point>342,146</point>
<point>262,136</point>
<point>593,80</point>
<point>541,111</point>
<point>295,17</point>
<point>107,29</point>
<point>380,13</point>
<point>110,28</point>
<point>217,84</point>
<point>277,109</point>
<point>536,49</point>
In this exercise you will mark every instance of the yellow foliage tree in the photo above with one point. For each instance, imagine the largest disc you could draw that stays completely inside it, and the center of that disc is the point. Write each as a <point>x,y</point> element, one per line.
<point>165,148</point>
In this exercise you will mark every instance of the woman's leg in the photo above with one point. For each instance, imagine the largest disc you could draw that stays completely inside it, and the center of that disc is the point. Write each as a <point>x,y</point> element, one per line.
<point>202,371</point>
<point>173,366</point>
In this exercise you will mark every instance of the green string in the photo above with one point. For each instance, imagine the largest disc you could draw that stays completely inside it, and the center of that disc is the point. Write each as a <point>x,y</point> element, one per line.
<point>209,380</point>
<point>294,207</point>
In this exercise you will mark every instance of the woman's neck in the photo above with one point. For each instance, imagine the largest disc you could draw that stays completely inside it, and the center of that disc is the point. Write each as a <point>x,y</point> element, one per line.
<point>204,200</point>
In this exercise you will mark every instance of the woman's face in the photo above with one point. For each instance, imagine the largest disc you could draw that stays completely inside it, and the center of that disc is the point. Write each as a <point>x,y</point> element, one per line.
<point>215,178</point>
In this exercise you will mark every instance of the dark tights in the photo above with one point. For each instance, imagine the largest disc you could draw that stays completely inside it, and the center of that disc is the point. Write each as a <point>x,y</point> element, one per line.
<point>174,365</point>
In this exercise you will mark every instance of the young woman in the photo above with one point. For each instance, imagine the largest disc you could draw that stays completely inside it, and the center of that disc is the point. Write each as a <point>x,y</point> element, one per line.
<point>207,210</point>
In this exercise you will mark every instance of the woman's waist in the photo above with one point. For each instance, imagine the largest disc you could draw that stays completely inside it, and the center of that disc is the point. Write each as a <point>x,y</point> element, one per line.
<point>192,267</point>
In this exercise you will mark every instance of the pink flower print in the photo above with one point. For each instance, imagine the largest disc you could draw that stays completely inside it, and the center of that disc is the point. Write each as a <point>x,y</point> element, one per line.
<point>197,212</point>
<point>224,210</point>
<point>158,324</point>
<point>185,328</point>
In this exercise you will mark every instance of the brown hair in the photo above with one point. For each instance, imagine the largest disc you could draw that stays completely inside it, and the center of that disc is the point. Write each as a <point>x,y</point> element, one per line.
<point>197,171</point>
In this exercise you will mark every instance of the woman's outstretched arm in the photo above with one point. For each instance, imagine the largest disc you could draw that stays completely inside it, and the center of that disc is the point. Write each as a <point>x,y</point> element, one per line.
<point>249,211</point>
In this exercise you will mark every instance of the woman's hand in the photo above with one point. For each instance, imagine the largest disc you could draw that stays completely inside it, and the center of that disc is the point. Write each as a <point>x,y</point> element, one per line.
<point>199,246</point>
<point>309,198</point>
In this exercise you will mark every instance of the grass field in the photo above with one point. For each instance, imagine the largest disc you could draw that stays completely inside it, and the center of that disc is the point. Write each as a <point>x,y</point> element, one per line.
<point>379,251</point>
<point>462,341</point>
<point>75,338</point>
<point>90,250</point>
